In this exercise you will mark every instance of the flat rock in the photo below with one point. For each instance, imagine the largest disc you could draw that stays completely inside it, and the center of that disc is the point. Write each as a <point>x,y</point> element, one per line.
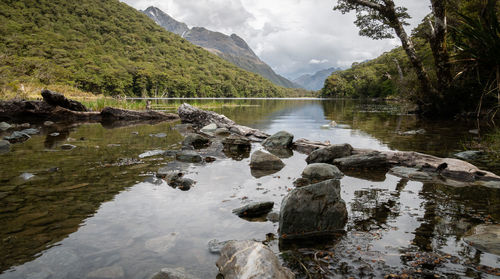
<point>55,134</point>
<point>313,210</point>
<point>319,172</point>
<point>329,153</point>
<point>469,155</point>
<point>4,126</point>
<point>413,174</point>
<point>255,209</point>
<point>31,131</point>
<point>188,156</point>
<point>151,153</point>
<point>236,143</point>
<point>372,160</point>
<point>17,137</point>
<point>249,259</point>
<point>306,146</point>
<point>110,272</point>
<point>195,140</point>
<point>261,160</point>
<point>485,238</point>
<point>173,273</point>
<point>413,132</point>
<point>281,139</point>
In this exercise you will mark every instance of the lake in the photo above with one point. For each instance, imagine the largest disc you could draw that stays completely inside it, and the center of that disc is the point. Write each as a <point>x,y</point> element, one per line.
<point>98,210</point>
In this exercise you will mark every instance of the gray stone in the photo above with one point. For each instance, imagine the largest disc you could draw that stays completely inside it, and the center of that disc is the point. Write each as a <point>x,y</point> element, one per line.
<point>301,182</point>
<point>31,131</point>
<point>273,217</point>
<point>4,126</point>
<point>249,259</point>
<point>195,140</point>
<point>330,153</point>
<point>210,128</point>
<point>215,246</point>
<point>27,176</point>
<point>412,174</point>
<point>372,160</point>
<point>67,147</point>
<point>485,238</point>
<point>236,143</point>
<point>320,172</point>
<point>55,134</point>
<point>261,160</point>
<point>254,209</point>
<point>313,210</point>
<point>48,123</point>
<point>17,137</point>
<point>151,153</point>
<point>469,155</point>
<point>413,132</point>
<point>4,146</point>
<point>170,153</point>
<point>110,272</point>
<point>188,156</point>
<point>281,139</point>
<point>222,132</point>
<point>23,126</point>
<point>173,273</point>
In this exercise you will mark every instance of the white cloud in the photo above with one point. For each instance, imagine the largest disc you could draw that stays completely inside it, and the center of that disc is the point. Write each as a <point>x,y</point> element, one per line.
<point>292,36</point>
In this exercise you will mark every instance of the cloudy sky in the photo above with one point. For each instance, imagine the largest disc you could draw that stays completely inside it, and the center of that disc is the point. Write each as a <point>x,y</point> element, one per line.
<point>292,36</point>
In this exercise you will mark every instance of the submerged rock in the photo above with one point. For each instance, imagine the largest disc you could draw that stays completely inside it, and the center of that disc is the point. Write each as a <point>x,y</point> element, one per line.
<point>173,273</point>
<point>281,139</point>
<point>313,210</point>
<point>215,246</point>
<point>330,153</point>
<point>372,160</point>
<point>162,244</point>
<point>188,156</point>
<point>4,146</point>
<point>4,126</point>
<point>469,155</point>
<point>255,209</point>
<point>413,132</point>
<point>485,238</point>
<point>320,172</point>
<point>68,147</point>
<point>17,137</point>
<point>151,153</point>
<point>261,160</point>
<point>159,135</point>
<point>175,179</point>
<point>195,140</point>
<point>110,272</point>
<point>249,259</point>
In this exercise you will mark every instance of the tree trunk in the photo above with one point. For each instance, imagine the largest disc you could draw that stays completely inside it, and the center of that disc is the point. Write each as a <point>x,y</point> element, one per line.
<point>439,47</point>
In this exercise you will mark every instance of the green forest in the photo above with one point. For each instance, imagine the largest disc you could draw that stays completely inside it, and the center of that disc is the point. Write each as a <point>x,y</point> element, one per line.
<point>107,47</point>
<point>466,80</point>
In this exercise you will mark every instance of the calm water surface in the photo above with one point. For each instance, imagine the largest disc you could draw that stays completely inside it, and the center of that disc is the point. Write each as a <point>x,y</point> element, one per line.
<point>97,210</point>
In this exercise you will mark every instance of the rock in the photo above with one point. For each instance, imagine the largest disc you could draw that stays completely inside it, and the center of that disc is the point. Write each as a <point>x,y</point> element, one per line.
<point>245,131</point>
<point>469,155</point>
<point>26,176</point>
<point>209,159</point>
<point>159,135</point>
<point>261,160</point>
<point>313,210</point>
<point>485,238</point>
<point>306,146</point>
<point>301,182</point>
<point>115,114</point>
<point>4,146</point>
<point>151,153</point>
<point>330,153</point>
<point>195,140</point>
<point>48,123</point>
<point>184,184</point>
<point>319,172</point>
<point>31,131</point>
<point>17,137</point>
<point>23,126</point>
<point>173,273</point>
<point>281,139</point>
<point>110,272</point>
<point>413,132</point>
<point>333,124</point>
<point>236,144</point>
<point>210,128</point>
<point>188,156</point>
<point>222,132</point>
<point>249,259</point>
<point>67,147</point>
<point>325,127</point>
<point>255,209</point>
<point>162,244</point>
<point>171,153</point>
<point>169,175</point>
<point>55,134</point>
<point>273,217</point>
<point>372,160</point>
<point>215,246</point>
<point>56,99</point>
<point>201,118</point>
<point>4,126</point>
<point>413,174</point>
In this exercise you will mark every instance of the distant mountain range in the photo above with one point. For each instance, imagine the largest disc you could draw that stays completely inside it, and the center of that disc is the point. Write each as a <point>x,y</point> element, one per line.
<point>315,81</point>
<point>231,48</point>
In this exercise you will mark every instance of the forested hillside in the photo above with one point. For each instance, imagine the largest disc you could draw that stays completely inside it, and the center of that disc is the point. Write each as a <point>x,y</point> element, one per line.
<point>108,47</point>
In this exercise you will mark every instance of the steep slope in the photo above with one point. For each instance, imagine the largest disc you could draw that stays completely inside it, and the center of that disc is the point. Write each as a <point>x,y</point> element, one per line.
<point>109,47</point>
<point>232,48</point>
<point>315,81</point>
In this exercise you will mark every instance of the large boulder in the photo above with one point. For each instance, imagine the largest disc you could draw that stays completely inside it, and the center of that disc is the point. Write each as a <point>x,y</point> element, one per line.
<point>279,140</point>
<point>371,160</point>
<point>314,210</point>
<point>195,140</point>
<point>249,259</point>
<point>320,172</point>
<point>330,153</point>
<point>57,99</point>
<point>255,209</point>
<point>261,160</point>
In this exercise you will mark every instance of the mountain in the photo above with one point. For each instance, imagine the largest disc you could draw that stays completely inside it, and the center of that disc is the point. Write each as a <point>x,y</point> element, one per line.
<point>232,48</point>
<point>109,47</point>
<point>315,81</point>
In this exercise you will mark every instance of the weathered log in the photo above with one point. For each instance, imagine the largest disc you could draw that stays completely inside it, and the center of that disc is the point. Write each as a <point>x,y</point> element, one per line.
<point>42,111</point>
<point>57,99</point>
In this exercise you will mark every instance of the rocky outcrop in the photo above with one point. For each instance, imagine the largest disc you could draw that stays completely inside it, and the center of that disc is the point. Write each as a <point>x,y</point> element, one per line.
<point>330,153</point>
<point>249,259</point>
<point>254,209</point>
<point>57,99</point>
<point>314,210</point>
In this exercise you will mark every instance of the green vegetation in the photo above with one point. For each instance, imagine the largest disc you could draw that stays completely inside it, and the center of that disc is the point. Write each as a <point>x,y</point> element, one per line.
<point>109,48</point>
<point>453,69</point>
